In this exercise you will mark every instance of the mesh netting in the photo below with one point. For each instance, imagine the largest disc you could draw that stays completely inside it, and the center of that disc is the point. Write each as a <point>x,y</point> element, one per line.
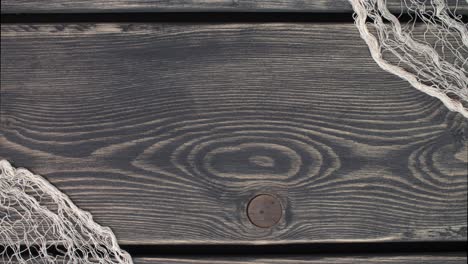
<point>435,62</point>
<point>40,224</point>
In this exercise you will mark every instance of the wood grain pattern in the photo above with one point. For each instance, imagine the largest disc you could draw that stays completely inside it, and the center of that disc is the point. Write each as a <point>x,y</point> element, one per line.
<point>165,131</point>
<point>372,259</point>
<point>87,6</point>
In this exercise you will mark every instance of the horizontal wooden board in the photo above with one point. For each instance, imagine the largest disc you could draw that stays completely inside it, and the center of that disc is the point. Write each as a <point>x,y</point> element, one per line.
<point>436,258</point>
<point>87,6</point>
<point>165,131</point>
<point>371,259</point>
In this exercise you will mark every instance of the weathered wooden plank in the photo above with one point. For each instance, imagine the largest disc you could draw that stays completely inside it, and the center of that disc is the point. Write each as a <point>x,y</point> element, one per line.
<point>436,258</point>
<point>87,6</point>
<point>165,131</point>
<point>372,259</point>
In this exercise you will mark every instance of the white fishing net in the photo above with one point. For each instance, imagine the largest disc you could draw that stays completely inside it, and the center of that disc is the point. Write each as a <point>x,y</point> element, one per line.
<point>435,62</point>
<point>40,224</point>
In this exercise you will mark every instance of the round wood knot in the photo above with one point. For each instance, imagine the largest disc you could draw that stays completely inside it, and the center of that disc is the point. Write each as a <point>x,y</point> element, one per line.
<point>264,211</point>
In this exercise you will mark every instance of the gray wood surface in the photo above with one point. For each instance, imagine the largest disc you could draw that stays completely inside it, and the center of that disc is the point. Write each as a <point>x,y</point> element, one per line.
<point>87,6</point>
<point>165,131</point>
<point>436,258</point>
<point>372,259</point>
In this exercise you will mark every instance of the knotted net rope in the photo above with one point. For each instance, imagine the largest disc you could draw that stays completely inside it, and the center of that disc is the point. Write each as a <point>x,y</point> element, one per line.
<point>435,62</point>
<point>40,224</point>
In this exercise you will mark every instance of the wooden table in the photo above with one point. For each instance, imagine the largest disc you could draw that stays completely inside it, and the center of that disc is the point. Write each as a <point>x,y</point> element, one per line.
<point>165,125</point>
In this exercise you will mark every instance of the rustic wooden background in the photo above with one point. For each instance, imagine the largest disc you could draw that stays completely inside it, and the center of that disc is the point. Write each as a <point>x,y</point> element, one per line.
<point>433,259</point>
<point>92,6</point>
<point>164,131</point>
